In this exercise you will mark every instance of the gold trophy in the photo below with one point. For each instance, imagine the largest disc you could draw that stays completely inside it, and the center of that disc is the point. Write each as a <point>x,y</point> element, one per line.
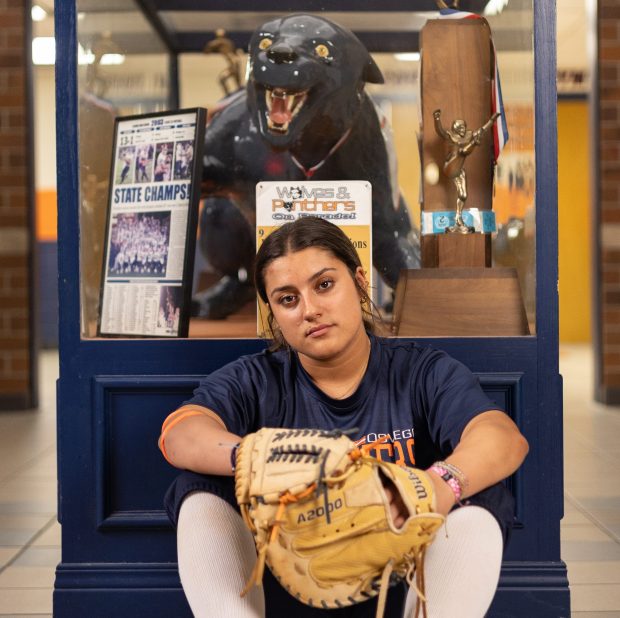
<point>224,46</point>
<point>462,142</point>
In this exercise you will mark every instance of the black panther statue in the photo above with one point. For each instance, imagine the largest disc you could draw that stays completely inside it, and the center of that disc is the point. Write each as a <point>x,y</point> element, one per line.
<point>303,115</point>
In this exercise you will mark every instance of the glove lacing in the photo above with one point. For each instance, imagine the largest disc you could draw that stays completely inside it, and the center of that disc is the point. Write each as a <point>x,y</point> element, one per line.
<point>287,498</point>
<point>414,577</point>
<point>259,568</point>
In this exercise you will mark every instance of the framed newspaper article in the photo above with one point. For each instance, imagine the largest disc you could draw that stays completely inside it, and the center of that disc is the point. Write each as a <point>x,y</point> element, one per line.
<point>151,224</point>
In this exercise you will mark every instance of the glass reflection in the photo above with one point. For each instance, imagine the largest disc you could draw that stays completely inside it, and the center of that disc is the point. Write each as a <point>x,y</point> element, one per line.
<point>514,200</point>
<point>122,70</point>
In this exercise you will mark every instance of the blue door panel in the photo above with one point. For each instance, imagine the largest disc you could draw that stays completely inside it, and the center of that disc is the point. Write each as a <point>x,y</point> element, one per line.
<point>130,470</point>
<point>128,603</point>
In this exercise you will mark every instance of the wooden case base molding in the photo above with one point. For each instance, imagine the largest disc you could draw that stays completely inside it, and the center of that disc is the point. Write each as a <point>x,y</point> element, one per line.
<point>459,302</point>
<point>17,401</point>
<point>101,590</point>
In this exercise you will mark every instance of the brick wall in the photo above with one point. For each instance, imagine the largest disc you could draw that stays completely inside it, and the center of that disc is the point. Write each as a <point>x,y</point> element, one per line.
<point>17,362</point>
<point>607,352</point>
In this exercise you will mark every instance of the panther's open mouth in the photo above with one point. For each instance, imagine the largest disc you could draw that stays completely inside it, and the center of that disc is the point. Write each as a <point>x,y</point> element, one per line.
<point>282,107</point>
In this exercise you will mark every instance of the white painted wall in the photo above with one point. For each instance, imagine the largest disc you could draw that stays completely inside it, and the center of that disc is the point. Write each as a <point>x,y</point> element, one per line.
<point>44,128</point>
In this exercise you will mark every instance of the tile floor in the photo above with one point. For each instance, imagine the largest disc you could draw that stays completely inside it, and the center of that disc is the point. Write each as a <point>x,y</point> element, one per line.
<point>30,535</point>
<point>591,524</point>
<point>29,532</point>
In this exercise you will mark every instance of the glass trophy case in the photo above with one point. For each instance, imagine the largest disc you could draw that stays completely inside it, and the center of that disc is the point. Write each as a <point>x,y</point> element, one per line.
<point>422,133</point>
<point>354,124</point>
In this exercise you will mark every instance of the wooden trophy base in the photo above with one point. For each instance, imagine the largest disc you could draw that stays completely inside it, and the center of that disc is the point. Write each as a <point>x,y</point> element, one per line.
<point>459,302</point>
<point>456,250</point>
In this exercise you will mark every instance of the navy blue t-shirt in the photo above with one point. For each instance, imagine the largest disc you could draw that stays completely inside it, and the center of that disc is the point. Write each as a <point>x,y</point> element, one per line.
<point>419,397</point>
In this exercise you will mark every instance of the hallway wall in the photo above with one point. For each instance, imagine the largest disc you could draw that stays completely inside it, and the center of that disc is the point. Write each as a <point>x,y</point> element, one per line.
<point>575,247</point>
<point>607,188</point>
<point>18,382</point>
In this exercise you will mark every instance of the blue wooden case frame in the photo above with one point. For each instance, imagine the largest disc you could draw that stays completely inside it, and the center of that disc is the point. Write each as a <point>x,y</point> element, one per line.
<point>118,550</point>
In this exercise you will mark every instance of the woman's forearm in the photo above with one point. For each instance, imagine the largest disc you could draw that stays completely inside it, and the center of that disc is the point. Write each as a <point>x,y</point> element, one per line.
<point>200,444</point>
<point>490,450</point>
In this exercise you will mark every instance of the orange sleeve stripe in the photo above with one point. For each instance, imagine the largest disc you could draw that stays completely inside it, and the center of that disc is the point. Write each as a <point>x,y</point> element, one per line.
<point>169,426</point>
<point>180,415</point>
<point>183,410</point>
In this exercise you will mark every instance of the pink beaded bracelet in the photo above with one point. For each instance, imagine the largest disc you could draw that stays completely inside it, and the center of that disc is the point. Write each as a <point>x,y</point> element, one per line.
<point>451,480</point>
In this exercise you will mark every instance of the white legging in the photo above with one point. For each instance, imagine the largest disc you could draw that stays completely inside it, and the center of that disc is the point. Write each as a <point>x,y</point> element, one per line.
<point>461,568</point>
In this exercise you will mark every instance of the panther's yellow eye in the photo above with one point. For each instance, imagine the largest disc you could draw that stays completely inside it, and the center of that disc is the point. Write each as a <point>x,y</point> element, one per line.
<point>322,51</point>
<point>265,43</point>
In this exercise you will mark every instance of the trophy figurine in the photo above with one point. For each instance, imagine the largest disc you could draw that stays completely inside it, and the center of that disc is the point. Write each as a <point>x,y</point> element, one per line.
<point>224,46</point>
<point>462,143</point>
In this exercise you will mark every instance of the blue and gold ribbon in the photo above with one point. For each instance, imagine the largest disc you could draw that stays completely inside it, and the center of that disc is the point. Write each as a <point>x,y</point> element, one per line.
<point>483,221</point>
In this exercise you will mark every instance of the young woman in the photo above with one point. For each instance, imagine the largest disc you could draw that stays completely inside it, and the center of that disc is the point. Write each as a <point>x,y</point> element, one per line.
<point>327,370</point>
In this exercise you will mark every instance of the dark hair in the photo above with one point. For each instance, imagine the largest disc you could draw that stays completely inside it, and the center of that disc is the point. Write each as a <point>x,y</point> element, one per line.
<point>304,233</point>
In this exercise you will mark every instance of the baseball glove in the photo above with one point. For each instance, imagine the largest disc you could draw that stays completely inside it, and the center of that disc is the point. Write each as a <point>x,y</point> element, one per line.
<point>321,519</point>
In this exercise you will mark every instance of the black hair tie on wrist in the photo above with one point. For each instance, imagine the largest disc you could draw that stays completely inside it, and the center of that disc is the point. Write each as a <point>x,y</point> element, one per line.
<point>233,456</point>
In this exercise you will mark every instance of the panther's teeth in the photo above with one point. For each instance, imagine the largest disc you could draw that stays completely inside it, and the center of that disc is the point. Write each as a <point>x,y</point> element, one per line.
<point>293,102</point>
<point>280,128</point>
<point>300,100</point>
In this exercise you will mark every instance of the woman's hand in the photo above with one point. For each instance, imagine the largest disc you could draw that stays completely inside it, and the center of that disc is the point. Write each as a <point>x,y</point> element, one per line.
<point>398,510</point>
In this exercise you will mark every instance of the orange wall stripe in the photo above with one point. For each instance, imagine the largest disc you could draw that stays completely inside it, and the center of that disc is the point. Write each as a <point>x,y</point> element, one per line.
<point>46,216</point>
